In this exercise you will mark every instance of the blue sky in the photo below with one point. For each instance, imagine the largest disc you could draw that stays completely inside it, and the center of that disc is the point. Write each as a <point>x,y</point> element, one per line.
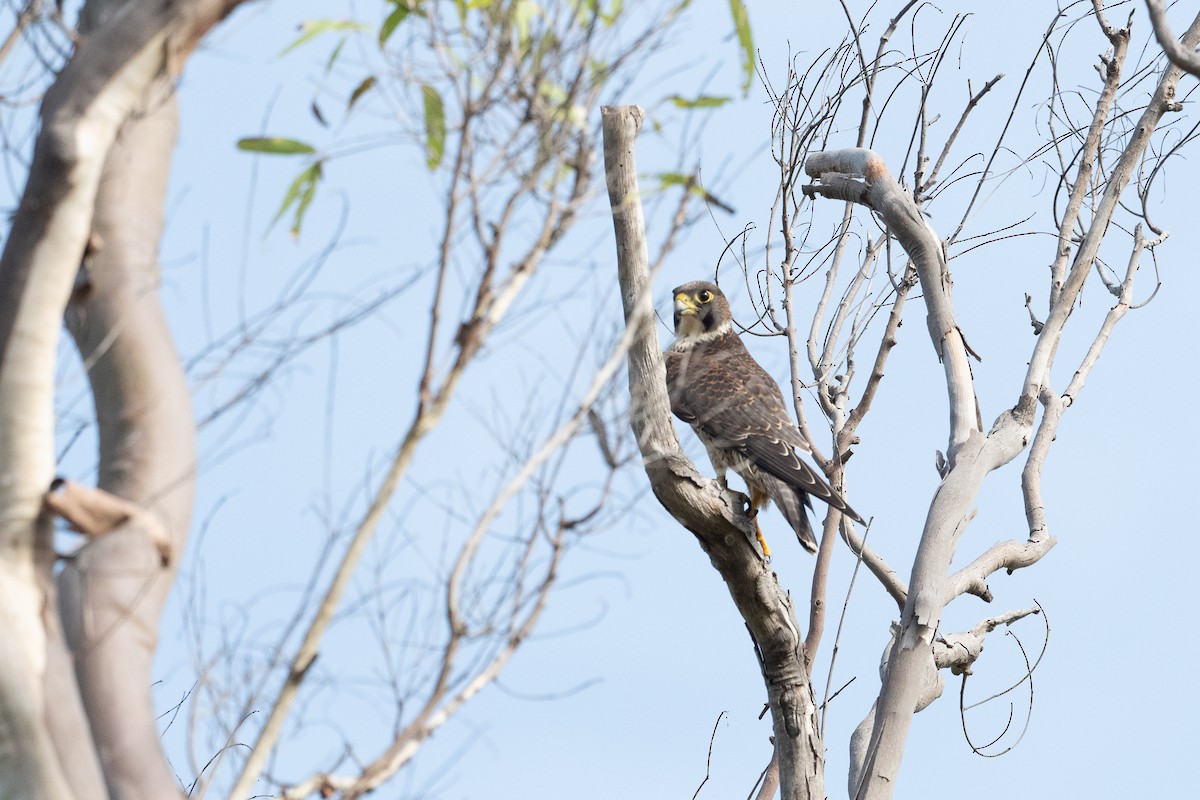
<point>642,651</point>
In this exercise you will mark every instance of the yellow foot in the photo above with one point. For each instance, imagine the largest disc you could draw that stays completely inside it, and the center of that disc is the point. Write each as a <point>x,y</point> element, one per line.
<point>762,540</point>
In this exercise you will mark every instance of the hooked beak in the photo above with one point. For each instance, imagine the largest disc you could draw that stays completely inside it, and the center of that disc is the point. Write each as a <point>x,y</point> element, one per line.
<point>684,305</point>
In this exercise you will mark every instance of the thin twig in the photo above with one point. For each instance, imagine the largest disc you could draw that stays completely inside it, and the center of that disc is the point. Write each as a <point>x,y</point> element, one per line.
<point>708,763</point>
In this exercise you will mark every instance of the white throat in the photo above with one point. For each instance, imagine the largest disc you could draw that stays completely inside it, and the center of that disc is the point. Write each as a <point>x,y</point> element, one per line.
<point>691,333</point>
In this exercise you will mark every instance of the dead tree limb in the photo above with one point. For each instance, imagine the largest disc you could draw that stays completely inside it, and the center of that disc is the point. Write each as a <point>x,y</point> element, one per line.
<point>722,529</point>
<point>1181,55</point>
<point>910,675</point>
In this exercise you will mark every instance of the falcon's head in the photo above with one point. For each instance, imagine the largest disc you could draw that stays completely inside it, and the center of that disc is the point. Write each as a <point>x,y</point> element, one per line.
<point>701,309</point>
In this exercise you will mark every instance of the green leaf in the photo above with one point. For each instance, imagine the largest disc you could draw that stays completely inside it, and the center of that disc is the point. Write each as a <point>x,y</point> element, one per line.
<point>586,10</point>
<point>470,5</point>
<point>692,186</point>
<point>435,127</point>
<point>556,98</point>
<point>367,84</point>
<point>306,198</point>
<point>703,101</point>
<point>300,193</point>
<point>523,12</point>
<point>293,191</point>
<point>313,28</point>
<point>333,57</point>
<point>598,70</point>
<point>668,179</point>
<point>275,145</point>
<point>398,15</point>
<point>741,23</point>
<point>617,7</point>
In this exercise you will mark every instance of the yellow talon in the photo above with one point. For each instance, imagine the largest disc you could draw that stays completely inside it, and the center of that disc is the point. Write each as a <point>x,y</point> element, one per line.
<point>762,540</point>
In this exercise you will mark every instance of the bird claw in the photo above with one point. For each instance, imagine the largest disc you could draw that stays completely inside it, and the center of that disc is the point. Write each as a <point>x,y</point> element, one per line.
<point>751,511</point>
<point>762,541</point>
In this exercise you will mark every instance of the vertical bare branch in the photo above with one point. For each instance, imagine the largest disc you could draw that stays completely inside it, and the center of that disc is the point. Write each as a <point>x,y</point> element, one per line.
<point>1162,102</point>
<point>861,176</point>
<point>700,505</point>
<point>92,97</point>
<point>113,591</point>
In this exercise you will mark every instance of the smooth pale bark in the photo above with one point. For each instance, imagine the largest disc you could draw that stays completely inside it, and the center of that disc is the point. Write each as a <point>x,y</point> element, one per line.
<point>910,677</point>
<point>112,594</point>
<point>1182,55</point>
<point>724,532</point>
<point>80,118</point>
<point>106,79</point>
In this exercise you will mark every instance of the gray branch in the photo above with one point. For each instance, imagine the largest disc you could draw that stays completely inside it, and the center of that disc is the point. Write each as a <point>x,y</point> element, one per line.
<point>958,651</point>
<point>51,711</point>
<point>1181,56</point>
<point>699,504</point>
<point>861,176</point>
<point>910,675</point>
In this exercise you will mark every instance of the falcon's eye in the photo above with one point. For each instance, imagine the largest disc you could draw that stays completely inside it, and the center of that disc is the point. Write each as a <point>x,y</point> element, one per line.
<point>705,296</point>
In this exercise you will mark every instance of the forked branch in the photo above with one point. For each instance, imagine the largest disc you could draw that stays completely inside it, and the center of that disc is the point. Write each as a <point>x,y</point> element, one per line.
<point>911,679</point>
<point>860,176</point>
<point>95,512</point>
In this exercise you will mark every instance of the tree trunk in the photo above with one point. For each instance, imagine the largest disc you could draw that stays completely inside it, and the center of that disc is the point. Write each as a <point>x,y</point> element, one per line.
<point>45,750</point>
<point>113,592</point>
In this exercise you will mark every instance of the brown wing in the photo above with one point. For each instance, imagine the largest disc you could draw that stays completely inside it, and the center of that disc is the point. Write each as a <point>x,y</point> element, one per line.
<point>720,388</point>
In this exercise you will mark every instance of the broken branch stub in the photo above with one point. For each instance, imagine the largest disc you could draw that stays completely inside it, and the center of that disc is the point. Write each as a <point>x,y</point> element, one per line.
<point>95,512</point>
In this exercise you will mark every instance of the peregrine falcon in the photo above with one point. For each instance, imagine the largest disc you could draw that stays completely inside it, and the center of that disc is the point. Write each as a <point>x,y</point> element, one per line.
<point>737,410</point>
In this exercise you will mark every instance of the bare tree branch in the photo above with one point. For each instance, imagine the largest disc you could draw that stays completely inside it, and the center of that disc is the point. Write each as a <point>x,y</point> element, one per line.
<point>131,47</point>
<point>440,705</point>
<point>887,576</point>
<point>861,176</point>
<point>95,512</point>
<point>1181,54</point>
<point>1162,102</point>
<point>700,505</point>
<point>515,187</point>
<point>910,679</point>
<point>836,171</point>
<point>958,651</point>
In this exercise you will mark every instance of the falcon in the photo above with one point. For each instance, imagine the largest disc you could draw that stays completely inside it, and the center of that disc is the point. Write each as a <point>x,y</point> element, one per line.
<point>737,410</point>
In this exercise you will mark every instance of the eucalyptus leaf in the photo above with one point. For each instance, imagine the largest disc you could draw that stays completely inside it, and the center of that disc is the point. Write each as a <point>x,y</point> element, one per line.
<point>703,101</point>
<point>435,126</point>
<point>741,25</point>
<point>311,29</point>
<point>275,145</point>
<point>367,84</point>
